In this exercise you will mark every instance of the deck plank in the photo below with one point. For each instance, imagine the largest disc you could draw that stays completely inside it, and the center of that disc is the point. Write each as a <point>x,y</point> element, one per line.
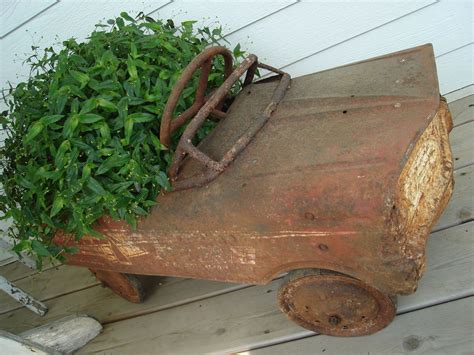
<point>16,270</point>
<point>50,283</point>
<point>462,145</point>
<point>442,329</point>
<point>462,110</point>
<point>105,306</point>
<point>249,318</point>
<point>460,207</point>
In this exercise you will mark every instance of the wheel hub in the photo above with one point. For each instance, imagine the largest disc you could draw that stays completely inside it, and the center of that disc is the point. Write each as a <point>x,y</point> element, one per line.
<point>334,304</point>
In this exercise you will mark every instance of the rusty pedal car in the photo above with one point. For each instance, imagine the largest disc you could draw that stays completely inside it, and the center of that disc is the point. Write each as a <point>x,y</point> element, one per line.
<point>334,178</point>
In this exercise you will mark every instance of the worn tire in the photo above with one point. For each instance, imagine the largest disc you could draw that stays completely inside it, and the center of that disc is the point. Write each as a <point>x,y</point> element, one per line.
<point>127,286</point>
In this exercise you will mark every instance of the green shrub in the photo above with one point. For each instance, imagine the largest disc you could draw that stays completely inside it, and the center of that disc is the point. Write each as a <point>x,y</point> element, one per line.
<point>82,130</point>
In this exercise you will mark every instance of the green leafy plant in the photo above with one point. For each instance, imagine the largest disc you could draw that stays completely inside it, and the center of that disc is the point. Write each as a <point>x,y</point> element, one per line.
<point>82,130</point>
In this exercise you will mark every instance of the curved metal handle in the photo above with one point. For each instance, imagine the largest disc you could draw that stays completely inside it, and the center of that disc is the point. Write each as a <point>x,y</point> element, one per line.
<point>203,61</point>
<point>202,107</point>
<point>185,145</point>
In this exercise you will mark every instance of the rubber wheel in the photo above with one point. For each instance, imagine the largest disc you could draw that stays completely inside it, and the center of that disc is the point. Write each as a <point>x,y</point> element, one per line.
<point>334,304</point>
<point>127,286</point>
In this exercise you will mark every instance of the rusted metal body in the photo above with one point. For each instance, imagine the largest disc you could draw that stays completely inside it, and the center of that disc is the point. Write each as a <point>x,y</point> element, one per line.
<point>348,174</point>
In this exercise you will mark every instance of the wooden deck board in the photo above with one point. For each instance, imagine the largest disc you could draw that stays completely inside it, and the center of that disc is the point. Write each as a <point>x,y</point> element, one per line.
<point>16,270</point>
<point>442,329</point>
<point>105,306</point>
<point>462,145</point>
<point>460,207</point>
<point>249,318</point>
<point>462,110</point>
<point>49,284</point>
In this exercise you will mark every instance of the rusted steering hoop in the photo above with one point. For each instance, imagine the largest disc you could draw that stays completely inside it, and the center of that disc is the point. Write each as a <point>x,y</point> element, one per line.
<point>203,61</point>
<point>205,107</point>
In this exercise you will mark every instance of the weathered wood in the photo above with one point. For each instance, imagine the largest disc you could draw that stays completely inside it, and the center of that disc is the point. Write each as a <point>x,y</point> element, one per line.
<point>250,318</point>
<point>462,110</point>
<point>6,257</point>
<point>462,145</point>
<point>443,329</point>
<point>16,271</point>
<point>6,244</point>
<point>105,306</point>
<point>66,335</point>
<point>461,207</point>
<point>49,284</point>
<point>13,344</point>
<point>22,297</point>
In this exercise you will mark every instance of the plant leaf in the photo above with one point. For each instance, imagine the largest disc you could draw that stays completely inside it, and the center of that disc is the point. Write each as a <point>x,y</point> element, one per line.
<point>58,205</point>
<point>128,129</point>
<point>163,181</point>
<point>70,125</point>
<point>47,120</point>
<point>141,117</point>
<point>126,17</point>
<point>39,248</point>
<point>132,68</point>
<point>89,105</point>
<point>90,118</point>
<point>23,245</point>
<point>34,130</point>
<point>95,186</point>
<point>82,78</point>
<point>106,104</point>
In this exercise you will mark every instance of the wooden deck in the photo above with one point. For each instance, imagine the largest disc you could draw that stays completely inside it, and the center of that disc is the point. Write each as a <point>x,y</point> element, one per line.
<point>193,316</point>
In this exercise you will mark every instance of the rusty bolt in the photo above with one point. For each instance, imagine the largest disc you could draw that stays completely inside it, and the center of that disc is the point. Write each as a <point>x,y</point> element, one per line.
<point>334,320</point>
<point>323,247</point>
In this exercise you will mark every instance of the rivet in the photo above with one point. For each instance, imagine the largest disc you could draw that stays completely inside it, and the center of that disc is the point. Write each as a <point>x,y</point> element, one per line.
<point>334,320</point>
<point>397,105</point>
<point>403,60</point>
<point>323,247</point>
<point>398,81</point>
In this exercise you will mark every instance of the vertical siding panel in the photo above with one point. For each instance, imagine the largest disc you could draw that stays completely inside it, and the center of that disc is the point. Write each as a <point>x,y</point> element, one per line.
<point>15,13</point>
<point>455,69</point>
<point>308,27</point>
<point>447,25</point>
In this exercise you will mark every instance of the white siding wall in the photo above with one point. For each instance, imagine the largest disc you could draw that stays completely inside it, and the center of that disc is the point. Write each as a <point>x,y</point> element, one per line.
<point>300,36</point>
